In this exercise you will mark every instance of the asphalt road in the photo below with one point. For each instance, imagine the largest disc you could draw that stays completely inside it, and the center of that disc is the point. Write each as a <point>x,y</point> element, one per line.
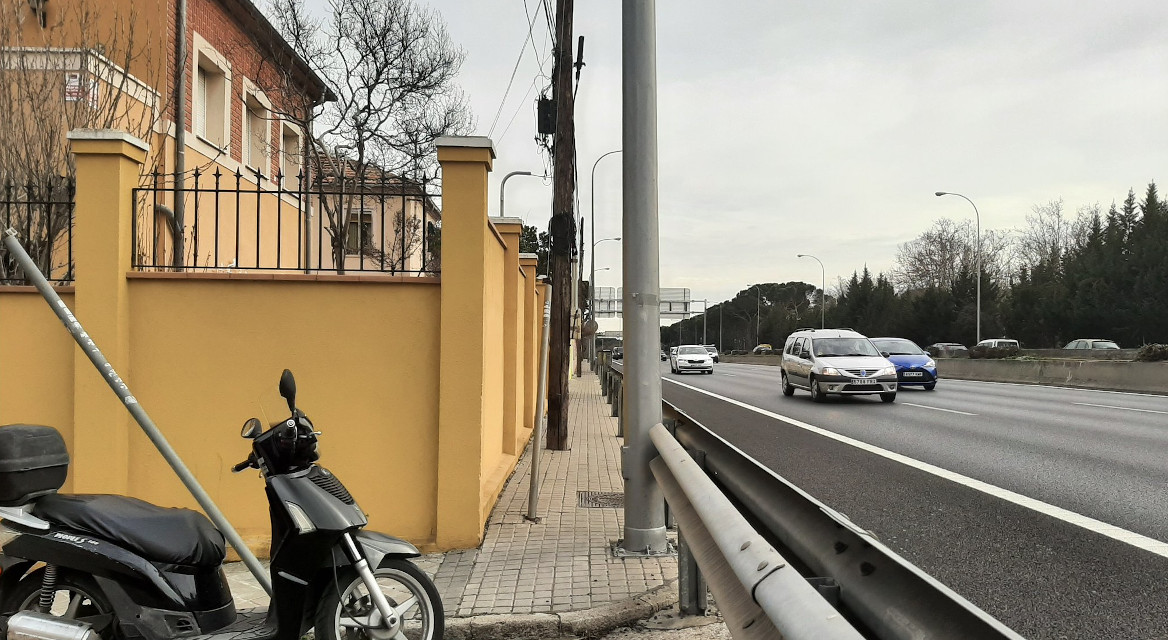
<point>1020,498</point>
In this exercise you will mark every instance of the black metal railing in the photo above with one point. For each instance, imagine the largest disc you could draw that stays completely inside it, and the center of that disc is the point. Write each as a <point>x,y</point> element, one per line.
<point>42,215</point>
<point>226,222</point>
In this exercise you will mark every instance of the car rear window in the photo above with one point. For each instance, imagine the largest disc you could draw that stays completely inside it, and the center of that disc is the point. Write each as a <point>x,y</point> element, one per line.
<point>898,347</point>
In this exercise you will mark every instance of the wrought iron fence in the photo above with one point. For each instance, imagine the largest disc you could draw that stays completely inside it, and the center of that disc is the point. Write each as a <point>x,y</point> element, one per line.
<point>42,214</point>
<point>228,222</point>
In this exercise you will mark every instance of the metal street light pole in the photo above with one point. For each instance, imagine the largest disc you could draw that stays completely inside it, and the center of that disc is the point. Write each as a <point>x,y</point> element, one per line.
<point>592,290</point>
<point>822,289</point>
<point>705,307</point>
<point>644,504</point>
<point>757,315</point>
<point>977,217</point>
<point>503,188</point>
<point>592,278</point>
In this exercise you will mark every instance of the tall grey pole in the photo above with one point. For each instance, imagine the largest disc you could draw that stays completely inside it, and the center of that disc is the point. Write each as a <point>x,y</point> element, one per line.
<point>758,316</point>
<point>720,325</point>
<point>592,274</point>
<point>540,396</point>
<point>644,504</point>
<point>705,307</point>
<point>822,289</point>
<point>977,217</point>
<point>120,388</point>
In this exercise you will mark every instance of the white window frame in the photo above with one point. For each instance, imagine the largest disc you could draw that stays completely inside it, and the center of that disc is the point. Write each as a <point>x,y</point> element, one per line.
<point>253,93</point>
<point>290,180</point>
<point>210,60</point>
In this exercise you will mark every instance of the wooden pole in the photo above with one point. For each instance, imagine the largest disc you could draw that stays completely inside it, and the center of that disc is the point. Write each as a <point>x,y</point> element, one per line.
<point>563,232</point>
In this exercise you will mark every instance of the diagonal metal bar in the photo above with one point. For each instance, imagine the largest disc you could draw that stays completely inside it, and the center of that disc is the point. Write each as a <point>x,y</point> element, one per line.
<point>120,388</point>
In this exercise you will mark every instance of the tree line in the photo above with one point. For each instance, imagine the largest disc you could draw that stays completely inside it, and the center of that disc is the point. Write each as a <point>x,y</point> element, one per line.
<point>1096,274</point>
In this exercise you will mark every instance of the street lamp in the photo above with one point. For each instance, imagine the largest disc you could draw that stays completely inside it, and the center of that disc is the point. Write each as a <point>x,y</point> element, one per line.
<point>592,288</point>
<point>822,289</point>
<point>977,217</point>
<point>503,187</point>
<point>592,222</point>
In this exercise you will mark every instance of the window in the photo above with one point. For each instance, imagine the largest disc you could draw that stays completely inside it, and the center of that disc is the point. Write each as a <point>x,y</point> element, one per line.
<point>359,237</point>
<point>255,132</point>
<point>290,157</point>
<point>209,103</point>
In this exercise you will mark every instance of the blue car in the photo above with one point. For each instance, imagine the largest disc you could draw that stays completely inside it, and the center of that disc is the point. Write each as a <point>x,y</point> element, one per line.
<point>914,366</point>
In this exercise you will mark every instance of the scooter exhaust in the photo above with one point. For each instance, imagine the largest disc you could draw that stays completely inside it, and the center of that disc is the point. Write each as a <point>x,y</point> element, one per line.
<point>30,625</point>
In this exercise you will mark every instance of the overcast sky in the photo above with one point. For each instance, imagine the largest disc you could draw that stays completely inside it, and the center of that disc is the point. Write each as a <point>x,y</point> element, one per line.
<point>825,127</point>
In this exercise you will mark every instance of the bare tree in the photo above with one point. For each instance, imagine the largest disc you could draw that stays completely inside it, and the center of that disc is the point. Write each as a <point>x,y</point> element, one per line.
<point>73,68</point>
<point>1050,232</point>
<point>946,252</point>
<point>389,67</point>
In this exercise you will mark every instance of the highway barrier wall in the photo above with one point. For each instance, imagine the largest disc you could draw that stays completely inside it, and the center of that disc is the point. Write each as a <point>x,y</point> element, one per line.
<point>1145,377</point>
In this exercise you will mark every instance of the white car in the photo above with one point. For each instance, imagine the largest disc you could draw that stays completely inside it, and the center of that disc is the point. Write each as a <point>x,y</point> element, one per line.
<point>691,357</point>
<point>999,343</point>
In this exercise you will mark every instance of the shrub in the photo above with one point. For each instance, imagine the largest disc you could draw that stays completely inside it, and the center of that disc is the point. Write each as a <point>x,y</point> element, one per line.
<point>1152,353</point>
<point>994,353</point>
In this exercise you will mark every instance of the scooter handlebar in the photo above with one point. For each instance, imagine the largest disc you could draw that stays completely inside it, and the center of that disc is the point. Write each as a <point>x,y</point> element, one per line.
<point>250,462</point>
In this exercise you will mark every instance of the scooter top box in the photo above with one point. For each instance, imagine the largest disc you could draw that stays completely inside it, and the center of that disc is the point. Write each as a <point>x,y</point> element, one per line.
<point>33,463</point>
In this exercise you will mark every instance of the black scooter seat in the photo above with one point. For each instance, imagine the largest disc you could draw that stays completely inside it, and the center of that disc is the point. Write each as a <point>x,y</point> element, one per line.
<point>159,534</point>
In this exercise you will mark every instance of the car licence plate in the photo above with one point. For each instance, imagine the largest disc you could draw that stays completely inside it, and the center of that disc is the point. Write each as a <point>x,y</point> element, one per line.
<point>913,374</point>
<point>863,381</point>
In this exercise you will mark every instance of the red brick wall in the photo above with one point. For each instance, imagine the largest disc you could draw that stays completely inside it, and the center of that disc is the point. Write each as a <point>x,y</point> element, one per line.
<point>215,24</point>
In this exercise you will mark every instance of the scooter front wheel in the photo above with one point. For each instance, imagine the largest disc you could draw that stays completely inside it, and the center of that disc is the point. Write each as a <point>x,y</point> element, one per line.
<point>347,611</point>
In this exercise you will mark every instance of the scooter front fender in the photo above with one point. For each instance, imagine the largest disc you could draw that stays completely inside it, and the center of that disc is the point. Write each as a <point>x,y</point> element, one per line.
<point>377,548</point>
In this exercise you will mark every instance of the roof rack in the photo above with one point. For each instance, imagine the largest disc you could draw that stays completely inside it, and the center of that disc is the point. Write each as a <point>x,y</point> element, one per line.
<point>806,329</point>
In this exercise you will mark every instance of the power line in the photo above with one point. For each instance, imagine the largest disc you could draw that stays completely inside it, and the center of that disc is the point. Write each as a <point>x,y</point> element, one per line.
<point>522,50</point>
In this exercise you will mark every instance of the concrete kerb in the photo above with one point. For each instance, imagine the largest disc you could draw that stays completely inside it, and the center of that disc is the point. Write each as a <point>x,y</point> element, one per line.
<point>582,623</point>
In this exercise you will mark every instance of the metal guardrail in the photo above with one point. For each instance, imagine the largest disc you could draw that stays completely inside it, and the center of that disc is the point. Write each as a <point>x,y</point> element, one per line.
<point>879,593</point>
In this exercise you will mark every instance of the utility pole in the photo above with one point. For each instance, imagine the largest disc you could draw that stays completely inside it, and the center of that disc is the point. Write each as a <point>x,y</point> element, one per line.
<point>562,230</point>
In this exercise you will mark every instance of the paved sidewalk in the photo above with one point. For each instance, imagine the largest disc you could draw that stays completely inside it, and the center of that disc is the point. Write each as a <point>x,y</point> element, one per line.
<point>524,571</point>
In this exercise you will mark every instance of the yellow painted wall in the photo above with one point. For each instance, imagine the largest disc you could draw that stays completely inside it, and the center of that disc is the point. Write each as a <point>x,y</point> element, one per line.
<point>494,461</point>
<point>36,363</point>
<point>205,351</point>
<point>404,376</point>
<point>532,327</point>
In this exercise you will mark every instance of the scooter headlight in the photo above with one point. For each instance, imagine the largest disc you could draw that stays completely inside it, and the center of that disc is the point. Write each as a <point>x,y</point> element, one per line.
<point>299,518</point>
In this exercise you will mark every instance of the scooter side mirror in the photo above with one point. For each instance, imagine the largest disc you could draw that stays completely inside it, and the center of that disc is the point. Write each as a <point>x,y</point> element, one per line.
<point>252,429</point>
<point>288,388</point>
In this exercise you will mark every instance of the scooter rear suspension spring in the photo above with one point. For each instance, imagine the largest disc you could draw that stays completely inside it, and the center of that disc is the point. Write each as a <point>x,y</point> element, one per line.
<point>48,589</point>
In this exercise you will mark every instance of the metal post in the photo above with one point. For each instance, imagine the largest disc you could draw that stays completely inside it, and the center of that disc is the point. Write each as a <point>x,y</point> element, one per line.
<point>120,388</point>
<point>592,222</point>
<point>822,289</point>
<point>758,315</point>
<point>720,325</point>
<point>705,307</point>
<point>503,189</point>
<point>644,506</point>
<point>540,394</point>
<point>977,217</point>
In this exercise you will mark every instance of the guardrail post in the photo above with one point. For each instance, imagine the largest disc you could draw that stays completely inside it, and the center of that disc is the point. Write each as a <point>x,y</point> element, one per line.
<point>691,585</point>
<point>614,398</point>
<point>620,414</point>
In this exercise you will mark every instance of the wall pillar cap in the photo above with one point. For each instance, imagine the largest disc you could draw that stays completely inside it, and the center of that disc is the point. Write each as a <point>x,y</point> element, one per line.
<point>106,135</point>
<point>529,256</point>
<point>472,142</point>
<point>508,221</point>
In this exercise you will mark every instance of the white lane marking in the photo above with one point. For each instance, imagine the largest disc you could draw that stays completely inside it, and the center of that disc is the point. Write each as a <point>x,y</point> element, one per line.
<point>1097,526</point>
<point>964,413</point>
<point>1108,406</point>
<point>1053,386</point>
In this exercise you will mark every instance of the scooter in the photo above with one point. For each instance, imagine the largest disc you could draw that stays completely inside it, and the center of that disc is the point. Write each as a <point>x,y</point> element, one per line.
<point>128,569</point>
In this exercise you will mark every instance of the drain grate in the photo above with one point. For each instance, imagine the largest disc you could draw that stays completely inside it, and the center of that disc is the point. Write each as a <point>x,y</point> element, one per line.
<point>599,500</point>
